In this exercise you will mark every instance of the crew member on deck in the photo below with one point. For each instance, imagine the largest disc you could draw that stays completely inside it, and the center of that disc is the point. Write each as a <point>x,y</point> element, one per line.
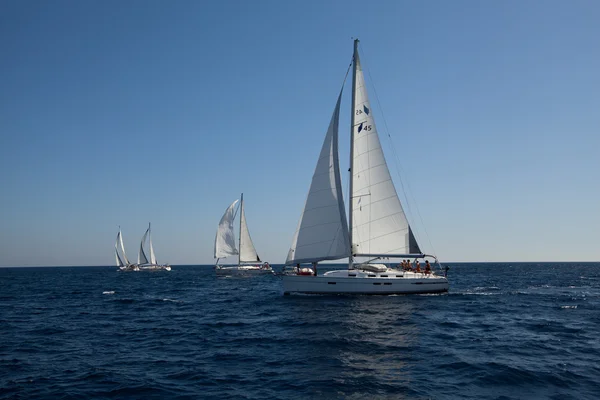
<point>427,267</point>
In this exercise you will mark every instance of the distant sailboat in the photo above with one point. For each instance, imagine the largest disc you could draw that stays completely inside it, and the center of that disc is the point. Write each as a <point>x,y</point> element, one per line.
<point>122,260</point>
<point>249,262</point>
<point>149,264</point>
<point>377,229</point>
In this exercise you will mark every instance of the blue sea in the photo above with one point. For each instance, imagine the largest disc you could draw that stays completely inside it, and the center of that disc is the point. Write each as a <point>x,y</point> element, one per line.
<point>504,331</point>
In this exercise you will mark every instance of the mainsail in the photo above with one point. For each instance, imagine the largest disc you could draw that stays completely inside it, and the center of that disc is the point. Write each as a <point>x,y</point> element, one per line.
<point>322,232</point>
<point>247,250</point>
<point>379,225</point>
<point>225,237</point>
<point>152,256</point>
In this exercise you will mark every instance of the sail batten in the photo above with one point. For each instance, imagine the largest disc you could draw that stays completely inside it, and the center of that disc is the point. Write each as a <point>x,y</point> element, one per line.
<point>322,232</point>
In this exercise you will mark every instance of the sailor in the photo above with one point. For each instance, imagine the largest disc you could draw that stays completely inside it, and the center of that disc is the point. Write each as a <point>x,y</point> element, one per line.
<point>427,267</point>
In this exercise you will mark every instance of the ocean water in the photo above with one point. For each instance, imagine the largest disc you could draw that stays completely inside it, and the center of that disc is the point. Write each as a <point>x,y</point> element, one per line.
<point>504,331</point>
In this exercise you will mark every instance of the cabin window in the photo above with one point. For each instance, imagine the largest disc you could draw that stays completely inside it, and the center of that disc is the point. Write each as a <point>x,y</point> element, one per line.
<point>384,276</point>
<point>371,276</point>
<point>331,283</point>
<point>399,276</point>
<point>351,274</point>
<point>387,283</point>
<point>376,283</point>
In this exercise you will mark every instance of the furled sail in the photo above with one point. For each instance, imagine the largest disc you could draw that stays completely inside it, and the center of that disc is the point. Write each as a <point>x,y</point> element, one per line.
<point>247,250</point>
<point>379,225</point>
<point>225,237</point>
<point>322,232</point>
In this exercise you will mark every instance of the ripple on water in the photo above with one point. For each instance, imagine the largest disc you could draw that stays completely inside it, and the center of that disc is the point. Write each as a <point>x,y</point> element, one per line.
<point>502,331</point>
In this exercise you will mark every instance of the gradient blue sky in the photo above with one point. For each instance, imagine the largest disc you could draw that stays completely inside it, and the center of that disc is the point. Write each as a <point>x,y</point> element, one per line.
<point>124,112</point>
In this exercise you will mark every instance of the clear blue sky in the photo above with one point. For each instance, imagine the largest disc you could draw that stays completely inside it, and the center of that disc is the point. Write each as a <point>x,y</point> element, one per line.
<point>124,112</point>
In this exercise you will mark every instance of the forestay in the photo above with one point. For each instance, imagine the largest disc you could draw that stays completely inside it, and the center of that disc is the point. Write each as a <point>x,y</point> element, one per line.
<point>379,225</point>
<point>322,232</point>
<point>225,237</point>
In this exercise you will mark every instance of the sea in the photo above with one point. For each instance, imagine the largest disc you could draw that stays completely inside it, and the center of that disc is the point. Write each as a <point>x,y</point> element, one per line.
<point>503,331</point>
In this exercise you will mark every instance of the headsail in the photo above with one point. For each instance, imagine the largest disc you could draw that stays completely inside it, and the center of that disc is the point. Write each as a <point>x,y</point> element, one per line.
<point>247,250</point>
<point>322,232</point>
<point>225,237</point>
<point>119,261</point>
<point>142,259</point>
<point>119,247</point>
<point>379,225</point>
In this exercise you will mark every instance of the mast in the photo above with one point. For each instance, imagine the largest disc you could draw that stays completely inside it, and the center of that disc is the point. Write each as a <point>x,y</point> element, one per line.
<point>352,118</point>
<point>241,212</point>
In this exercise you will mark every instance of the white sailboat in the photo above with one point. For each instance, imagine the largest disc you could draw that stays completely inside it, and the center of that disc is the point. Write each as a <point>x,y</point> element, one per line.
<point>249,262</point>
<point>378,228</point>
<point>149,264</point>
<point>122,261</point>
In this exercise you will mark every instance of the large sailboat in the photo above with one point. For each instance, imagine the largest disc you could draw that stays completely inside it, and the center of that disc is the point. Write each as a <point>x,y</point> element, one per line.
<point>377,228</point>
<point>249,262</point>
<point>122,261</point>
<point>145,263</point>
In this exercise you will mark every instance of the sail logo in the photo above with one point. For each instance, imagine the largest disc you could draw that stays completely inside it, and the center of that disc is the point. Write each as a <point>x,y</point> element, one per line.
<point>363,127</point>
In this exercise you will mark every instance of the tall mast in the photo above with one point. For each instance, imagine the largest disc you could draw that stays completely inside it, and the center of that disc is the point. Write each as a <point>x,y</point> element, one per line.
<point>352,118</point>
<point>241,212</point>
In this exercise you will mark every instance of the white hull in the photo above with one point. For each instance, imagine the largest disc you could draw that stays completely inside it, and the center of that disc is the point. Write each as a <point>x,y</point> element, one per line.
<point>129,268</point>
<point>242,270</point>
<point>154,267</point>
<point>363,282</point>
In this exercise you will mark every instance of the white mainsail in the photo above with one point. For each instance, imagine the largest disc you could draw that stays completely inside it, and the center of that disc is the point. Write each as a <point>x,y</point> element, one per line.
<point>225,237</point>
<point>379,225</point>
<point>322,232</point>
<point>152,256</point>
<point>247,250</point>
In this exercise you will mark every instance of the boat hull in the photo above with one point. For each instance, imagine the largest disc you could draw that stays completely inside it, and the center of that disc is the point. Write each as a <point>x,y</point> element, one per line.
<point>352,282</point>
<point>242,270</point>
<point>155,268</point>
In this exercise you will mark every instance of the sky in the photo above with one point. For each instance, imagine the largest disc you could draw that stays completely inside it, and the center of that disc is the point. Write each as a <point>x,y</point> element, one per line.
<point>119,113</point>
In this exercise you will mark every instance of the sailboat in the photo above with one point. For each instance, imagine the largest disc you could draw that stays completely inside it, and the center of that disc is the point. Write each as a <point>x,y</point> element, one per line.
<point>377,228</point>
<point>122,261</point>
<point>149,264</point>
<point>249,262</point>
